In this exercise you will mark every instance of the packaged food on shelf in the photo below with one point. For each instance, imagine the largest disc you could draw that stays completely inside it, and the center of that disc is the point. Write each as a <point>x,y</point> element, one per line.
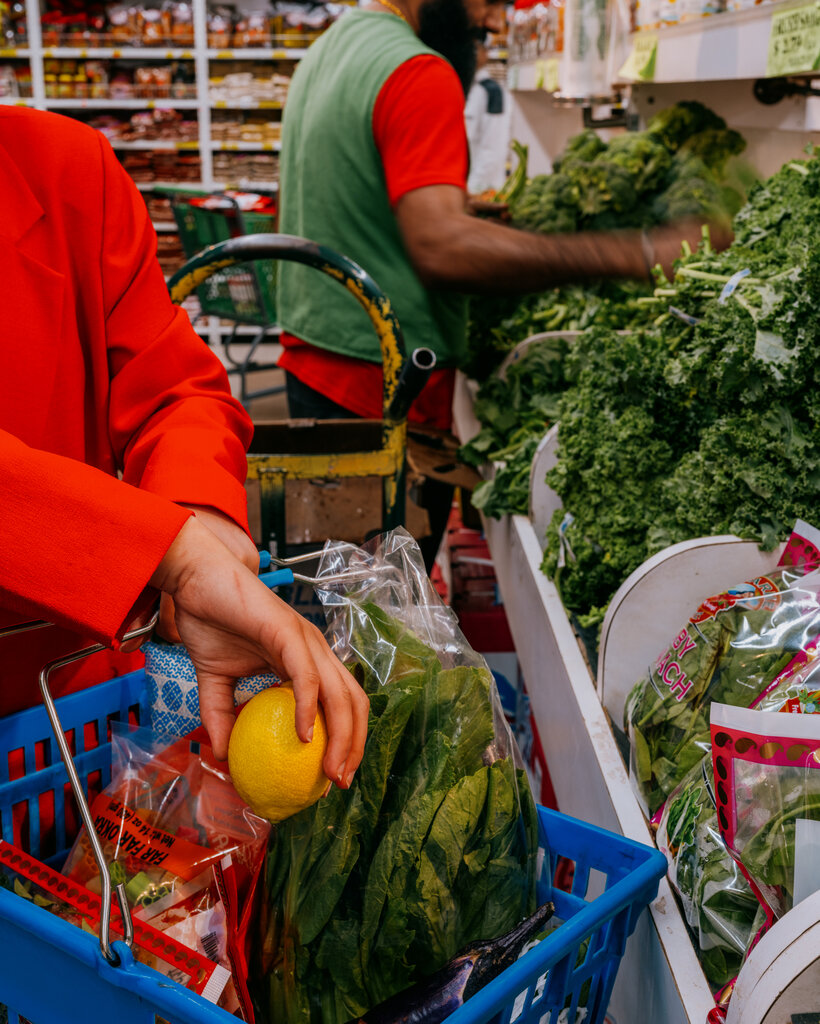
<point>237,83</point>
<point>729,651</point>
<point>13,27</point>
<point>220,28</point>
<point>767,789</point>
<point>720,908</point>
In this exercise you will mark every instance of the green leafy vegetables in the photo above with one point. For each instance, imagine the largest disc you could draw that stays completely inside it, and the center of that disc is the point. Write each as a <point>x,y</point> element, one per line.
<point>674,169</point>
<point>698,428</point>
<point>431,848</point>
<point>730,654</point>
<point>720,908</point>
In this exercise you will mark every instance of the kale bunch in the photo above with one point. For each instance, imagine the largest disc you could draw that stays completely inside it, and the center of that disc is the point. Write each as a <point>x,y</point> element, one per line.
<point>723,389</point>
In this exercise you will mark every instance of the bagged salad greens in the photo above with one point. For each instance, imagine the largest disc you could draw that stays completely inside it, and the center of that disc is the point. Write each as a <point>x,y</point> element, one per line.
<point>767,790</point>
<point>718,903</point>
<point>730,650</point>
<point>435,843</point>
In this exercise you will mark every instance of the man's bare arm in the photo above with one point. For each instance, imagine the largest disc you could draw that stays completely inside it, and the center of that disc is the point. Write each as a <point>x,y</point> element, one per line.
<point>451,249</point>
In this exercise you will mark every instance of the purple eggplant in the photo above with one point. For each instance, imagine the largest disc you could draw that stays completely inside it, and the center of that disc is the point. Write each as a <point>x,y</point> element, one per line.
<point>433,999</point>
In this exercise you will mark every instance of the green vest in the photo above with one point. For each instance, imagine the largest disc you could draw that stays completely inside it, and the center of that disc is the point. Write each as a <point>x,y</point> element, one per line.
<point>333,192</point>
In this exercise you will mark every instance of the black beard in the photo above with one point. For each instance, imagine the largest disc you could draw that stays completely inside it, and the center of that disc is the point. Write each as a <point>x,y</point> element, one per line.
<point>445,27</point>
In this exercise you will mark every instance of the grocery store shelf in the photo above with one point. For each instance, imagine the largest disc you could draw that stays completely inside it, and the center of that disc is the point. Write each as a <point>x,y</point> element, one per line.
<point>165,227</point>
<point>13,52</point>
<point>245,147</point>
<point>259,53</point>
<point>154,144</point>
<point>246,183</point>
<point>114,53</point>
<point>246,105</point>
<point>121,104</point>
<point>723,47</point>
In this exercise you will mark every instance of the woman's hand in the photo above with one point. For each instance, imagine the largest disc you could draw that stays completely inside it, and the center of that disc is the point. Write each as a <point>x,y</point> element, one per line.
<point>233,626</point>
<point>235,540</point>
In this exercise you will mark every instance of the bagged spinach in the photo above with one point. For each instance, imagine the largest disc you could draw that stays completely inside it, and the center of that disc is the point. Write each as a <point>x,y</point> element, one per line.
<point>435,843</point>
<point>767,774</point>
<point>730,650</point>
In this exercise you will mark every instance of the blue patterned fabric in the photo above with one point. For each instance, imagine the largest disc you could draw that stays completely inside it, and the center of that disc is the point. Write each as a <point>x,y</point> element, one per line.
<point>172,691</point>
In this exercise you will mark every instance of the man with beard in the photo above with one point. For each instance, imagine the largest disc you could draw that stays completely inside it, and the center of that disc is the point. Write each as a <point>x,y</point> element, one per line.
<point>374,165</point>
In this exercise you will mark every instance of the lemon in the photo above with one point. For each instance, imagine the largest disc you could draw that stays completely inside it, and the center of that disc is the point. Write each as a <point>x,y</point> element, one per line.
<point>273,771</point>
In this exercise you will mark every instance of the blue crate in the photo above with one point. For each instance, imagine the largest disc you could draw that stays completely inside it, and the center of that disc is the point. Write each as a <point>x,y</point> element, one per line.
<point>53,973</point>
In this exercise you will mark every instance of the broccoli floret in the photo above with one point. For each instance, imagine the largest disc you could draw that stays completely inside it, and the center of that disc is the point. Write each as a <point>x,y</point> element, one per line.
<point>714,147</point>
<point>645,158</point>
<point>584,147</point>
<point>691,191</point>
<point>679,123</point>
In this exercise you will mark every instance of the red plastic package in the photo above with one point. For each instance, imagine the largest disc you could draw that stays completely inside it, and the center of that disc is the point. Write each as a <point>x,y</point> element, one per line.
<point>46,888</point>
<point>187,848</point>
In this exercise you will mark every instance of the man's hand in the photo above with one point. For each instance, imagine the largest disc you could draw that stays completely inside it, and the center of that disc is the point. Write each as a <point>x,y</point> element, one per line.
<point>235,540</point>
<point>233,626</point>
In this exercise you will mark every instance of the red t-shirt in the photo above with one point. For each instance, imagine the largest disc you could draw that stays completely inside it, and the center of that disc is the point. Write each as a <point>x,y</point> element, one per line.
<point>417,150</point>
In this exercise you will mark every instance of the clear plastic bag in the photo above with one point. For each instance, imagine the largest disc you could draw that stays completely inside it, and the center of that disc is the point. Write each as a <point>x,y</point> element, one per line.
<point>767,775</point>
<point>718,903</point>
<point>187,848</point>
<point>435,843</point>
<point>729,651</point>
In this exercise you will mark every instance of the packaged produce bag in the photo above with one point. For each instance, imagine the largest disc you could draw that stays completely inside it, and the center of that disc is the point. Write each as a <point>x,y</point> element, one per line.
<point>767,790</point>
<point>46,888</point>
<point>732,648</point>
<point>434,845</point>
<point>718,903</point>
<point>187,848</point>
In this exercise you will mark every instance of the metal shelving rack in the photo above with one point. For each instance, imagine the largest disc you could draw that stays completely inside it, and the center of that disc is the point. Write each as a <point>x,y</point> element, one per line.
<point>203,57</point>
<point>200,54</point>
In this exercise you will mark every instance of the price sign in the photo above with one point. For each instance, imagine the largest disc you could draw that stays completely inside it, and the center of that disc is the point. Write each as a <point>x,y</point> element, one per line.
<point>8,53</point>
<point>794,41</point>
<point>280,55</point>
<point>639,66</point>
<point>225,55</point>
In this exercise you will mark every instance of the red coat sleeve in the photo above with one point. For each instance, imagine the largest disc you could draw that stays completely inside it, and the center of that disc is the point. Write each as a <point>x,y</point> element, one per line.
<point>172,421</point>
<point>78,545</point>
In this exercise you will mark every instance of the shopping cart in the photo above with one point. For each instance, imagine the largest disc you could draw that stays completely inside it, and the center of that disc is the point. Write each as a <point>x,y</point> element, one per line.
<point>54,973</point>
<point>244,294</point>
<point>325,449</point>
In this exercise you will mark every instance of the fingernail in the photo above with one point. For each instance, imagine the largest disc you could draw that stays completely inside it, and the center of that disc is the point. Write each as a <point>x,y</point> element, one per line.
<point>310,734</point>
<point>348,779</point>
<point>340,775</point>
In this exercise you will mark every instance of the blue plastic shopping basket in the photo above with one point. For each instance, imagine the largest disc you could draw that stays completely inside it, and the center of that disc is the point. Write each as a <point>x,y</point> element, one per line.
<point>52,972</point>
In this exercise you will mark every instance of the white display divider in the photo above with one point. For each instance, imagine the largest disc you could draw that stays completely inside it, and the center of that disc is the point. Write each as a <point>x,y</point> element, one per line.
<point>659,978</point>
<point>652,605</point>
<point>782,975</point>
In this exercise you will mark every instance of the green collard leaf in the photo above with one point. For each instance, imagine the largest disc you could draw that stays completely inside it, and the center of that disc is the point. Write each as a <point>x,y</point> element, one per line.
<point>440,861</point>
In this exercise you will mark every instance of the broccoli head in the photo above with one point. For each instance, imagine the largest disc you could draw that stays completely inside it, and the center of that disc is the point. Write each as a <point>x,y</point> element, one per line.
<point>715,146</point>
<point>644,157</point>
<point>679,123</point>
<point>584,147</point>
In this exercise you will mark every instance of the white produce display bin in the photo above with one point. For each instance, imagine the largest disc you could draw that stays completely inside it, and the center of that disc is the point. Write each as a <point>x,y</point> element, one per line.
<point>660,978</point>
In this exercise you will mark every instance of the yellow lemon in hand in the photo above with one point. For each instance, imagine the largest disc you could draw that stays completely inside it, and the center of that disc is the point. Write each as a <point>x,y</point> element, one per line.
<point>273,771</point>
